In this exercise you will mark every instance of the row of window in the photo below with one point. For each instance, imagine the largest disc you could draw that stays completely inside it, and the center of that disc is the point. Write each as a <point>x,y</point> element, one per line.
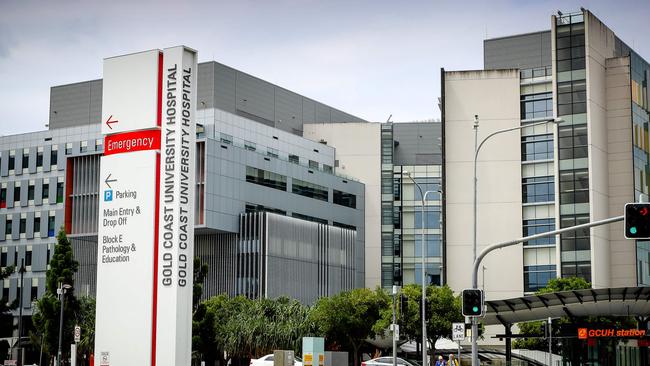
<point>279,182</point>
<point>538,147</point>
<point>251,207</point>
<point>21,225</point>
<point>539,226</point>
<point>536,105</point>
<point>54,154</point>
<point>536,73</point>
<point>537,277</point>
<point>274,153</point>
<point>538,189</point>
<point>45,193</point>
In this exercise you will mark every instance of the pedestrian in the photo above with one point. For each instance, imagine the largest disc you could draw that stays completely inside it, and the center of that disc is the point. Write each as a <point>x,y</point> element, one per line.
<point>452,360</point>
<point>441,361</point>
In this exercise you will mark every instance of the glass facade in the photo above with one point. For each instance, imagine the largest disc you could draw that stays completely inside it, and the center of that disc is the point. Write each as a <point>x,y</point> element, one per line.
<point>572,144</point>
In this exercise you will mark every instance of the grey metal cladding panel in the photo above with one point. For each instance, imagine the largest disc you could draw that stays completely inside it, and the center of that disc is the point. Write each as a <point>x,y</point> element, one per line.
<point>58,221</point>
<point>29,229</point>
<point>339,116</point>
<point>18,162</point>
<point>255,96</point>
<point>418,143</point>
<point>4,164</point>
<point>205,86</point>
<point>44,222</point>
<point>38,192</point>
<point>3,226</point>
<point>288,109</point>
<point>322,113</point>
<point>60,156</point>
<point>308,111</point>
<point>52,194</point>
<point>96,91</point>
<point>24,187</point>
<point>522,51</point>
<point>32,160</point>
<point>225,86</point>
<point>70,105</point>
<point>15,226</point>
<point>47,151</point>
<point>10,194</point>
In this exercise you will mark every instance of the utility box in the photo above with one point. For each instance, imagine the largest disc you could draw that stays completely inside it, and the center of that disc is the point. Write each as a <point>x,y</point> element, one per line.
<point>313,351</point>
<point>336,358</point>
<point>283,358</point>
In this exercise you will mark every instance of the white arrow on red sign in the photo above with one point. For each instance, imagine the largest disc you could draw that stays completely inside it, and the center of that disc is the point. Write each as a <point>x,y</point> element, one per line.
<point>109,122</point>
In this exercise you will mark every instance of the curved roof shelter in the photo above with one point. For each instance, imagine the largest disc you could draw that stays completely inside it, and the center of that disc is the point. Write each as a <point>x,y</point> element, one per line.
<point>623,301</point>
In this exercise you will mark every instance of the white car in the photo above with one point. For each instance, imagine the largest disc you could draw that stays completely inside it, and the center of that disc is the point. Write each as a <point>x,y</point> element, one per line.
<point>268,361</point>
<point>386,361</point>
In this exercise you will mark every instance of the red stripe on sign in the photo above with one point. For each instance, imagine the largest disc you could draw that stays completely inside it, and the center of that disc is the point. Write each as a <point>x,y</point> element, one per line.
<point>156,220</point>
<point>132,141</point>
<point>160,77</point>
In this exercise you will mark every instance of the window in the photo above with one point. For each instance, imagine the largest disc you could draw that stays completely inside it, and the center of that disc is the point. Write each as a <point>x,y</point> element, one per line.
<point>16,193</point>
<point>538,147</point>
<point>250,146</point>
<point>5,294</point>
<point>427,184</point>
<point>37,224</point>
<point>12,162</point>
<point>386,212</point>
<point>294,159</point>
<point>226,139</point>
<point>572,142</point>
<point>46,190</point>
<point>54,156</point>
<point>574,186</point>
<point>328,169</point>
<point>99,144</point>
<point>536,105</point>
<point>28,258</point>
<point>571,97</point>
<point>313,164</point>
<point>39,159</point>
<point>431,217</point>
<point>251,207</point>
<point>574,240</point>
<point>3,259</point>
<point>272,152</point>
<point>344,226</point>
<point>309,190</point>
<point>68,148</point>
<point>431,271</point>
<point>265,178</point>
<point>84,146</point>
<point>34,293</point>
<point>8,226</point>
<point>577,269</point>
<point>25,159</point>
<point>386,275</point>
<point>59,192</point>
<point>50,226</point>
<point>345,199</point>
<point>433,248</point>
<point>309,218</point>
<point>3,197</point>
<point>30,192</point>
<point>537,277</point>
<point>538,226</point>
<point>23,226</point>
<point>538,189</point>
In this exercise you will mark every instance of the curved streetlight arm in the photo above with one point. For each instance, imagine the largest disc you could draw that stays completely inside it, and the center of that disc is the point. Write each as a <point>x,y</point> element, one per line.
<point>547,121</point>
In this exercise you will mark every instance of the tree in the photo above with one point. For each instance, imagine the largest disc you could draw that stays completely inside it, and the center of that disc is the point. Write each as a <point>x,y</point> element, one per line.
<point>46,319</point>
<point>443,309</point>
<point>85,318</point>
<point>6,316</point>
<point>349,318</point>
<point>200,272</point>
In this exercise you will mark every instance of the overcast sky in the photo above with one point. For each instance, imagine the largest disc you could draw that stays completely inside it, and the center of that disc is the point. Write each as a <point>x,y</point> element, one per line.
<point>370,58</point>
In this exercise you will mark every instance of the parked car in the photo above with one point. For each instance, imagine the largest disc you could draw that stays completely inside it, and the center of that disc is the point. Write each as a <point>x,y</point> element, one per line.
<point>268,361</point>
<point>386,361</point>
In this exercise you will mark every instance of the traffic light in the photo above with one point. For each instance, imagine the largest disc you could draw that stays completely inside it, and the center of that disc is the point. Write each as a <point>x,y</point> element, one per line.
<point>637,220</point>
<point>403,307</point>
<point>472,302</point>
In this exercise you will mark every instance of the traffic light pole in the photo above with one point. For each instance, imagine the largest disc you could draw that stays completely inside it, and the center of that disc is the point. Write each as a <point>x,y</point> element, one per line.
<point>486,251</point>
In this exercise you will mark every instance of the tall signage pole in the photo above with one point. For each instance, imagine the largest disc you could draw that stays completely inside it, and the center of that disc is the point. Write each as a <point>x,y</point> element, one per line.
<point>144,275</point>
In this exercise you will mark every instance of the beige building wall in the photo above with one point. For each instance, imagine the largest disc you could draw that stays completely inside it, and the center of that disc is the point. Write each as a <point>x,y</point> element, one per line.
<point>358,151</point>
<point>620,167</point>
<point>494,96</point>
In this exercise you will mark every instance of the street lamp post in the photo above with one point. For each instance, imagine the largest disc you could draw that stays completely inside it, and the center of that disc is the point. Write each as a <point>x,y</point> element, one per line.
<point>61,292</point>
<point>424,284</point>
<point>477,149</point>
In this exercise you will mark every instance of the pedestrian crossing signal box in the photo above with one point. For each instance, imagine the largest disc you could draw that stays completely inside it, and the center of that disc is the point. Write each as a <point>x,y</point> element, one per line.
<point>637,221</point>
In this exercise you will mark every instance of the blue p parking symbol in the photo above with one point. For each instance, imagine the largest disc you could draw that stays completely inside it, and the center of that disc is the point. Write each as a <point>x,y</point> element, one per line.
<point>108,195</point>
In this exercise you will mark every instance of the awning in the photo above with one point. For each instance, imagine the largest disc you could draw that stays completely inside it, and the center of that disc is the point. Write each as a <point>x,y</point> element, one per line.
<point>623,301</point>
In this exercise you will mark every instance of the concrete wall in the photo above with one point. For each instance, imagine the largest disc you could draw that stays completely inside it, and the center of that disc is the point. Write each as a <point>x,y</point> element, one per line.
<point>494,97</point>
<point>622,252</point>
<point>358,155</point>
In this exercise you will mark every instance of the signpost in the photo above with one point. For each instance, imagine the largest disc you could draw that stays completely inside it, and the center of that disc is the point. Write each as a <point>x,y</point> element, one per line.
<point>146,224</point>
<point>458,334</point>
